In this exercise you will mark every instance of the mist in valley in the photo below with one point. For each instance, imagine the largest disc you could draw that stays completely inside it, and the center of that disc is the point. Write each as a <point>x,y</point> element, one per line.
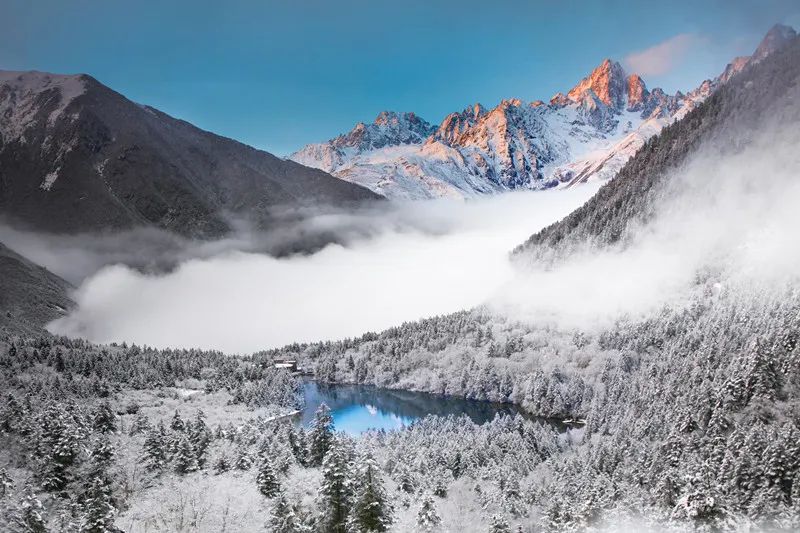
<point>388,264</point>
<point>722,217</point>
<point>726,220</point>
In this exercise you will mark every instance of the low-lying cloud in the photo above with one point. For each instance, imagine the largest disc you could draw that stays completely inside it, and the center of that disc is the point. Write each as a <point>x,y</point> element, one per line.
<point>725,221</point>
<point>399,263</point>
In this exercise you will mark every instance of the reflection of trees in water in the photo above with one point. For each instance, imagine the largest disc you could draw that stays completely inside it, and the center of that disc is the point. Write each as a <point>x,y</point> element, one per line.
<point>403,403</point>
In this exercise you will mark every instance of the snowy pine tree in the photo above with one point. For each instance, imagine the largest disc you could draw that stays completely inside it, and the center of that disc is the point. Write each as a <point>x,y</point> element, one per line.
<point>185,458</point>
<point>371,509</point>
<point>177,423</point>
<point>155,449</point>
<point>29,515</point>
<point>267,480</point>
<point>98,510</point>
<point>427,518</point>
<point>104,419</point>
<point>499,524</point>
<point>222,464</point>
<point>321,435</point>
<point>335,493</point>
<point>283,518</point>
<point>200,437</point>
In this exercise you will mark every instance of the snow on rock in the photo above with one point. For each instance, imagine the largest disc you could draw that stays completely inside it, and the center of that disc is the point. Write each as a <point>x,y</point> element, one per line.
<point>49,180</point>
<point>586,134</point>
<point>28,98</point>
<point>590,131</point>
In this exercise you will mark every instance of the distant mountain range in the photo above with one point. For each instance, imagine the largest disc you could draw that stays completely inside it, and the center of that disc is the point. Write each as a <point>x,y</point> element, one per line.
<point>587,133</point>
<point>761,94</point>
<point>77,156</point>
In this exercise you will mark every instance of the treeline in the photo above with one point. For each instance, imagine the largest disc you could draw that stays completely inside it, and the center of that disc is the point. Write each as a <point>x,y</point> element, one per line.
<point>55,366</point>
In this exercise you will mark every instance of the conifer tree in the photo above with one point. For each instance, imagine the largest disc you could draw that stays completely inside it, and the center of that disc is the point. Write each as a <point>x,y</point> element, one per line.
<point>499,525</point>
<point>283,518</point>
<point>10,414</point>
<point>104,419</point>
<point>185,458</point>
<point>141,424</point>
<point>266,479</point>
<point>29,514</point>
<point>155,449</point>
<point>335,493</point>
<point>177,423</point>
<point>101,454</point>
<point>371,510</point>
<point>222,464</point>
<point>321,435</point>
<point>200,437</point>
<point>405,480</point>
<point>57,448</point>
<point>243,459</point>
<point>297,444</point>
<point>427,517</point>
<point>98,508</point>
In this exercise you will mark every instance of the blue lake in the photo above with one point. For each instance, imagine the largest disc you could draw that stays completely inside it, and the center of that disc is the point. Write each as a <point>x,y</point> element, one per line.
<point>357,408</point>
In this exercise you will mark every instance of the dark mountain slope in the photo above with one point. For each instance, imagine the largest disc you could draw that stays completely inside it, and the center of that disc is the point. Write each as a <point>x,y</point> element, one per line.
<point>723,123</point>
<point>77,156</point>
<point>30,296</point>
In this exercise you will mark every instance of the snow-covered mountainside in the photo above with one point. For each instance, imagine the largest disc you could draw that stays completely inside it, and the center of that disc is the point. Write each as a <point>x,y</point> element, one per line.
<point>586,134</point>
<point>77,156</point>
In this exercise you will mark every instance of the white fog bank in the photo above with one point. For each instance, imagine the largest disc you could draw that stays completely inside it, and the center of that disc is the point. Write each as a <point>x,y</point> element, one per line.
<point>422,259</point>
<point>726,221</point>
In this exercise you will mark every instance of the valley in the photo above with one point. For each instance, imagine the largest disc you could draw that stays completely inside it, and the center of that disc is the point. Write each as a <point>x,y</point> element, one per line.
<point>573,315</point>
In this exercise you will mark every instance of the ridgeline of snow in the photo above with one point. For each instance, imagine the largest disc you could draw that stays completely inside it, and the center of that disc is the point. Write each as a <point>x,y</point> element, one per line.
<point>587,134</point>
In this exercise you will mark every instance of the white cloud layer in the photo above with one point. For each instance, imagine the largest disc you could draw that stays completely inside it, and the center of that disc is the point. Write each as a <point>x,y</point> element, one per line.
<point>418,260</point>
<point>730,220</point>
<point>663,57</point>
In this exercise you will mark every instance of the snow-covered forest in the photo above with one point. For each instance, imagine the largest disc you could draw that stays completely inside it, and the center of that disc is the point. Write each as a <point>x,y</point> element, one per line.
<point>688,413</point>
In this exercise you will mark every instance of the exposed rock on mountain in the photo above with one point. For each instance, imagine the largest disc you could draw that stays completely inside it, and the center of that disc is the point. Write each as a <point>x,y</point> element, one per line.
<point>587,133</point>
<point>724,122</point>
<point>76,156</point>
<point>777,37</point>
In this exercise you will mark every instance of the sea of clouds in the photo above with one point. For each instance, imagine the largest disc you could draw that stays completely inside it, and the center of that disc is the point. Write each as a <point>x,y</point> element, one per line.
<point>727,218</point>
<point>397,262</point>
<point>729,214</point>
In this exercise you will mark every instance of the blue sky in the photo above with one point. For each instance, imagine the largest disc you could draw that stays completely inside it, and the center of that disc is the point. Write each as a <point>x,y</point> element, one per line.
<point>279,74</point>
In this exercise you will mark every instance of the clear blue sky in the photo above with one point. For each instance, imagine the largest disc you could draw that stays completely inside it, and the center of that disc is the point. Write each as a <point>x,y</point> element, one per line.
<point>277,74</point>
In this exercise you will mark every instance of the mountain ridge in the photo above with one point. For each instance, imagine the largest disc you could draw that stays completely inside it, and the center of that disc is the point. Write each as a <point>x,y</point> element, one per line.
<point>624,202</point>
<point>30,295</point>
<point>75,155</point>
<point>587,133</point>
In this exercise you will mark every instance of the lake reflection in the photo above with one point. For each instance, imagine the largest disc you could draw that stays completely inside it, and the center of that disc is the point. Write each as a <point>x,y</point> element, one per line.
<point>357,408</point>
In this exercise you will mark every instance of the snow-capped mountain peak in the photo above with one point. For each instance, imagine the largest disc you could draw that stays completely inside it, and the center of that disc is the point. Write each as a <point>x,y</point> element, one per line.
<point>28,97</point>
<point>588,133</point>
<point>388,129</point>
<point>607,81</point>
